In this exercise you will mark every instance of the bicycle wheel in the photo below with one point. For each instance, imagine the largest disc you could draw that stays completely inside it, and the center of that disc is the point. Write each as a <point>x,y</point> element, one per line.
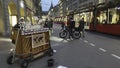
<point>63,34</point>
<point>10,59</point>
<point>76,35</point>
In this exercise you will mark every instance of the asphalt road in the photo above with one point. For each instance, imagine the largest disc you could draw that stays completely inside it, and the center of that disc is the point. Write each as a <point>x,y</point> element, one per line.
<point>96,50</point>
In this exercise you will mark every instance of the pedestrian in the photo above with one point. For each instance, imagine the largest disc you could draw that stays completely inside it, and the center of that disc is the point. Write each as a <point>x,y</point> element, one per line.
<point>81,26</point>
<point>71,26</point>
<point>50,25</point>
<point>20,24</point>
<point>62,25</point>
<point>46,23</point>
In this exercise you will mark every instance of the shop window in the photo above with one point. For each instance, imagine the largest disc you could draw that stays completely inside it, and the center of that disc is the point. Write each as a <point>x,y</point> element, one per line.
<point>113,16</point>
<point>102,19</point>
<point>14,20</point>
<point>118,16</point>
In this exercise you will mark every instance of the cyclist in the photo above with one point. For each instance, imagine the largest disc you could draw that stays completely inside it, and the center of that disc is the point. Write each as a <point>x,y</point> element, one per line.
<point>71,26</point>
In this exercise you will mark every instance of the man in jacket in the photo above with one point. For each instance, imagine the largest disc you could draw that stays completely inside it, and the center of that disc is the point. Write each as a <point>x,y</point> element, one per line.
<point>71,26</point>
<point>81,26</point>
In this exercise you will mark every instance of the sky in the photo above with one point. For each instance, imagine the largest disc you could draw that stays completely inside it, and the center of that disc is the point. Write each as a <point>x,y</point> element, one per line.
<point>47,3</point>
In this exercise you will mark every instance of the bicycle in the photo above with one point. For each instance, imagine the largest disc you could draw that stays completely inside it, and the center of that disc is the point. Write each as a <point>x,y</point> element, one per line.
<point>76,34</point>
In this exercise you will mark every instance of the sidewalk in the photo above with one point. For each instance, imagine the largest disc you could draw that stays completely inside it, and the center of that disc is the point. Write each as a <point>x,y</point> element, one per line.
<point>5,44</point>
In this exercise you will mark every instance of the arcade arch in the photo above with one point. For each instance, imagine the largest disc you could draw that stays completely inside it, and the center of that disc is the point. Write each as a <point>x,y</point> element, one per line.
<point>12,9</point>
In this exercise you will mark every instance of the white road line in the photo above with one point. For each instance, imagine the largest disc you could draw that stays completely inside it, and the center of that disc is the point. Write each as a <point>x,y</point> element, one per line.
<point>102,49</point>
<point>92,44</point>
<point>85,41</point>
<point>61,66</point>
<point>115,56</point>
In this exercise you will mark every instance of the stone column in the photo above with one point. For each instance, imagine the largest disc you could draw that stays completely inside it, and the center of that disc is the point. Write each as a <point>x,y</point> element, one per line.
<point>18,9</point>
<point>6,19</point>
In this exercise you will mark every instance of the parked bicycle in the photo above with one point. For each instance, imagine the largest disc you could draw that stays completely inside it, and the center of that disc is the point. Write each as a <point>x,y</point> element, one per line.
<point>76,34</point>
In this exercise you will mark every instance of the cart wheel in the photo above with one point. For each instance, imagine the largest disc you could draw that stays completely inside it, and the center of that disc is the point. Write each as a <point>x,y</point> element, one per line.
<point>24,64</point>
<point>10,59</point>
<point>50,52</point>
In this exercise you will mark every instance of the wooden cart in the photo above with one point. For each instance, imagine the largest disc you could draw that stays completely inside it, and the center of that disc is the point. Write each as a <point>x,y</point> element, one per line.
<point>29,46</point>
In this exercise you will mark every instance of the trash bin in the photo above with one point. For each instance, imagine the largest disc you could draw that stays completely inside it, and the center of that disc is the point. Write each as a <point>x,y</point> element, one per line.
<point>50,62</point>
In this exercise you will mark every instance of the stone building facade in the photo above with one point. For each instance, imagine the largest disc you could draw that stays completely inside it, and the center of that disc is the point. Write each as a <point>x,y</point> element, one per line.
<point>12,10</point>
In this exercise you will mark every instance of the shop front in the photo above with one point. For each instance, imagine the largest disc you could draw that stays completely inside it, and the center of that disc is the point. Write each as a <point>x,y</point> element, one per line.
<point>87,18</point>
<point>2,31</point>
<point>108,20</point>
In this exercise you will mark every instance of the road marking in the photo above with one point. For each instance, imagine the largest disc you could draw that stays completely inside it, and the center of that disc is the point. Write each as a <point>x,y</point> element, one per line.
<point>102,49</point>
<point>85,41</point>
<point>62,67</point>
<point>92,44</point>
<point>115,56</point>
